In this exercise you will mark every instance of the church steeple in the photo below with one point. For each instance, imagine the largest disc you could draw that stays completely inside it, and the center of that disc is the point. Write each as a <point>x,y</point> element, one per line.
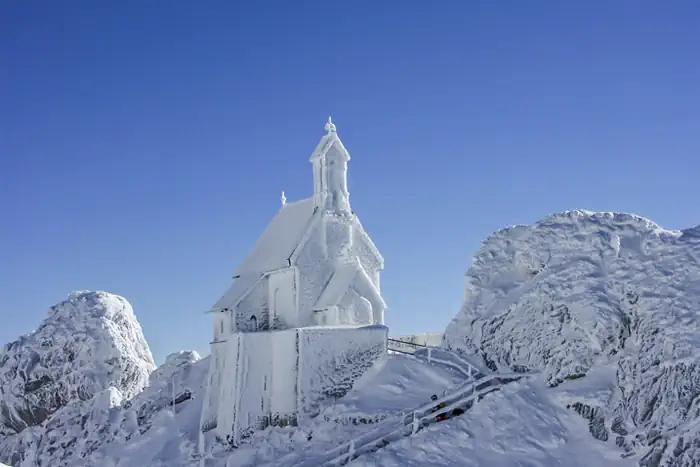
<point>330,165</point>
<point>330,126</point>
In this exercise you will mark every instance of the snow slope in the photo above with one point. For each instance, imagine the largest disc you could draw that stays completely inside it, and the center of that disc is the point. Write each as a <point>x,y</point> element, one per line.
<point>393,384</point>
<point>86,344</point>
<point>516,426</point>
<point>605,305</point>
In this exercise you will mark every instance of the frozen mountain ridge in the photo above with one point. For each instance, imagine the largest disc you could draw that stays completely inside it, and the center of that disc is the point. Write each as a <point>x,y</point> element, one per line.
<point>607,307</point>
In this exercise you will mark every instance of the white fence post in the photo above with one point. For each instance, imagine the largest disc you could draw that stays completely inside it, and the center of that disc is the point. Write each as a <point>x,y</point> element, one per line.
<point>351,450</point>
<point>414,428</point>
<point>430,352</point>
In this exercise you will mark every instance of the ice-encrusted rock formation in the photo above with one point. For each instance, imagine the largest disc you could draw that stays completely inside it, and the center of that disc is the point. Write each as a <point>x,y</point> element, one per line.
<point>611,301</point>
<point>157,427</point>
<point>87,344</point>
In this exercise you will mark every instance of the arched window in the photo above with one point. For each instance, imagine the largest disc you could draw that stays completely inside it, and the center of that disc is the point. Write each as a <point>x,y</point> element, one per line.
<point>253,323</point>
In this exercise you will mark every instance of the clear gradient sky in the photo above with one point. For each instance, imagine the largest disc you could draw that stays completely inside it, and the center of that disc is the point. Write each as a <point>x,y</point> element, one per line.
<point>144,144</point>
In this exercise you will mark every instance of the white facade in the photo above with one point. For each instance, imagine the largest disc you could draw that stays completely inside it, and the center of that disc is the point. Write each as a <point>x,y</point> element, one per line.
<point>313,266</point>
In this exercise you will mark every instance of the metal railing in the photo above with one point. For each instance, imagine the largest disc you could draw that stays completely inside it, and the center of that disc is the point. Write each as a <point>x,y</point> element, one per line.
<point>411,422</point>
<point>441,356</point>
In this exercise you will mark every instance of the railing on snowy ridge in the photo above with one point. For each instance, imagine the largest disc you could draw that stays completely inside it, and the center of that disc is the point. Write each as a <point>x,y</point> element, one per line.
<point>442,356</point>
<point>398,427</point>
<point>433,353</point>
<point>389,424</point>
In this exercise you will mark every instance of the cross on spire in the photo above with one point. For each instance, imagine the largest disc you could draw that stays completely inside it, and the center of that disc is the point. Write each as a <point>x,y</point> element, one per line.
<point>330,126</point>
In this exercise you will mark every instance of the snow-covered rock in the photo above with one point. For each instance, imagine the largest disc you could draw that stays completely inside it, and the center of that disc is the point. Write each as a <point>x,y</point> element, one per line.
<point>157,427</point>
<point>605,304</point>
<point>87,344</point>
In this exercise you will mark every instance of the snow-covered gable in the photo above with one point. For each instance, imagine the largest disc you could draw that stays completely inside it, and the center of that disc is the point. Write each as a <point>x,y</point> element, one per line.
<point>328,141</point>
<point>282,236</point>
<point>337,285</point>
<point>343,278</point>
<point>363,237</point>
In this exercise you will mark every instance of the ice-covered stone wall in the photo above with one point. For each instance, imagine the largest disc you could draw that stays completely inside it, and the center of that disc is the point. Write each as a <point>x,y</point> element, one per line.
<point>260,389</point>
<point>278,377</point>
<point>252,313</point>
<point>332,359</point>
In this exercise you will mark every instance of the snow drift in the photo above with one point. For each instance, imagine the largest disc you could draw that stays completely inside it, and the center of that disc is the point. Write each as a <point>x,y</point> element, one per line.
<point>612,300</point>
<point>85,345</point>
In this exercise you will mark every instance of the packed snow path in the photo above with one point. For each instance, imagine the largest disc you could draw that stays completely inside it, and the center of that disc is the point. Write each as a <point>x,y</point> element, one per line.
<point>388,431</point>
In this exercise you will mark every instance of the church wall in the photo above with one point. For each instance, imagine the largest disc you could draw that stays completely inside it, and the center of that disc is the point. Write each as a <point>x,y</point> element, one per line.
<point>337,235</point>
<point>355,309</point>
<point>210,407</point>
<point>254,304</point>
<point>367,258</point>
<point>226,389</point>
<point>274,378</point>
<point>258,387</point>
<point>331,360</point>
<point>282,299</point>
<point>314,272</point>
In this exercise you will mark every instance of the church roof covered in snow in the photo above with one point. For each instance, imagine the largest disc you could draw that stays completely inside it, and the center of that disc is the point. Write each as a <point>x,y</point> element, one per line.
<point>281,237</point>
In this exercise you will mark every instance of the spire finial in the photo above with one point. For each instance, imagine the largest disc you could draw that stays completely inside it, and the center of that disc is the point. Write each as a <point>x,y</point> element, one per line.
<point>330,126</point>
<point>283,199</point>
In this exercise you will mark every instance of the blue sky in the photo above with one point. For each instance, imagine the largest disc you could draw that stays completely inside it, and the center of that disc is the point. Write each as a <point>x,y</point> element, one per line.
<point>144,145</point>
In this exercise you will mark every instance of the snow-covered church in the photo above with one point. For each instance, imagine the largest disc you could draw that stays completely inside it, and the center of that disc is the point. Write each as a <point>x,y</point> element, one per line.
<point>304,316</point>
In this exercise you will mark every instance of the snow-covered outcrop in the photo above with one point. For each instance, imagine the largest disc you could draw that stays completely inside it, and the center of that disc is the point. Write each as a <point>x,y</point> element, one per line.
<point>87,344</point>
<point>609,300</point>
<point>159,426</point>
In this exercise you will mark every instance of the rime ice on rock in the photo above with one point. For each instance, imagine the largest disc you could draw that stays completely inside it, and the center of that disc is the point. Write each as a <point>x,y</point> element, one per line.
<point>85,345</point>
<point>607,306</point>
<point>304,303</point>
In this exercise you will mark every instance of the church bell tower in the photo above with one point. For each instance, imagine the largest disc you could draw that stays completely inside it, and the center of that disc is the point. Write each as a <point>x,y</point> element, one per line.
<point>330,166</point>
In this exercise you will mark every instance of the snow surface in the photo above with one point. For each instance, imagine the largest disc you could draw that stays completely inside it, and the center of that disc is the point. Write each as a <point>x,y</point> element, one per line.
<point>517,426</point>
<point>605,305</point>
